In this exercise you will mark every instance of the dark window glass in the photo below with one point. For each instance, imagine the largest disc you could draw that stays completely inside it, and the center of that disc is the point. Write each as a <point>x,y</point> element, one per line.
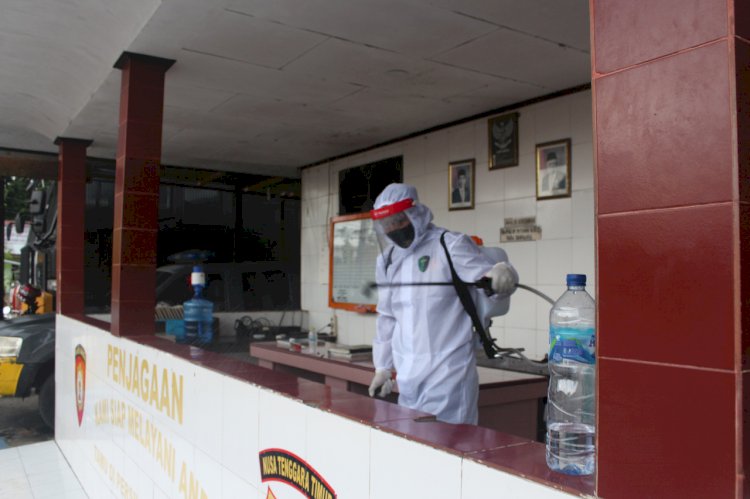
<point>359,186</point>
<point>266,290</point>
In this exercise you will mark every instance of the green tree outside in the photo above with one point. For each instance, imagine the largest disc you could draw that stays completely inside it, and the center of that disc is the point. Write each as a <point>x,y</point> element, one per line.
<point>16,196</point>
<point>16,200</point>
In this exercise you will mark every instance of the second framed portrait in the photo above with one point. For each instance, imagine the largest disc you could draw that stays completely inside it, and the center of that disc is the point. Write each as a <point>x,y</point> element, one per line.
<point>461,185</point>
<point>553,169</point>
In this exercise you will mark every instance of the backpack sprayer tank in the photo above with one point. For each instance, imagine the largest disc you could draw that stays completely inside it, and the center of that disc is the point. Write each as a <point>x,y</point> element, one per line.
<point>487,307</point>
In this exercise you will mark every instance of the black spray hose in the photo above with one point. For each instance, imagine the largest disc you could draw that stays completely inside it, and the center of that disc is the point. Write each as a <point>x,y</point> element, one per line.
<point>484,283</point>
<point>536,292</point>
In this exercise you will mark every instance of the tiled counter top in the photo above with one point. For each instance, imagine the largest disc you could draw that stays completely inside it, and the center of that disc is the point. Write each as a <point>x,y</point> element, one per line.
<point>477,447</point>
<point>508,401</point>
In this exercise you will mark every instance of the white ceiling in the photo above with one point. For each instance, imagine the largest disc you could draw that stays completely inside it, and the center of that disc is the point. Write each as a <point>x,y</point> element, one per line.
<point>267,86</point>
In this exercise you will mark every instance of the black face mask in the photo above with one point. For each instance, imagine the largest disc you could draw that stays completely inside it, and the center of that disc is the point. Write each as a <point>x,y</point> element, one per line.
<point>403,236</point>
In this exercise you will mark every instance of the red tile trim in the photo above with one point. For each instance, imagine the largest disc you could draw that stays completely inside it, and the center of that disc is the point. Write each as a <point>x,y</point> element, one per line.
<point>137,187</point>
<point>69,258</point>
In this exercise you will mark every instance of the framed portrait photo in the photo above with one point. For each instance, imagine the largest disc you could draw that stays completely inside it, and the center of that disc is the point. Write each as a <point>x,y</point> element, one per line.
<point>502,134</point>
<point>461,185</point>
<point>553,169</point>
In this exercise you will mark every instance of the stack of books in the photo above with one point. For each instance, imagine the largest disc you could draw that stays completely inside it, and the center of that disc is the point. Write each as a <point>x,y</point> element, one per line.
<point>354,353</point>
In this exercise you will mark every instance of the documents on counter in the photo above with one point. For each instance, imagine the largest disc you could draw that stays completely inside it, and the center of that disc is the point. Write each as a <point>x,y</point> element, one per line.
<point>350,352</point>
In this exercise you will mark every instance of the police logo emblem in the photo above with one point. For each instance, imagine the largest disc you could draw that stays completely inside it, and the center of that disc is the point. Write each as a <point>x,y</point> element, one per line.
<point>423,262</point>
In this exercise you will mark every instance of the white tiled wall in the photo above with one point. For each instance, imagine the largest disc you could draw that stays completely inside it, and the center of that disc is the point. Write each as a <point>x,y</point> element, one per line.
<point>477,479</point>
<point>227,423</point>
<point>395,462</point>
<point>567,244</point>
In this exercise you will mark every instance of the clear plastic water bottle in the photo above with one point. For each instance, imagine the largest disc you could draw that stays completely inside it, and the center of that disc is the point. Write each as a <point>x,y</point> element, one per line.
<point>571,399</point>
<point>312,341</point>
<point>198,311</point>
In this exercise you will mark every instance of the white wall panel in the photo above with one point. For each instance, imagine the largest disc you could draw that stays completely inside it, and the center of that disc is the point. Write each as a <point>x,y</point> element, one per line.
<point>396,462</point>
<point>332,442</point>
<point>282,423</point>
<point>211,473</point>
<point>234,487</point>
<point>203,416</point>
<point>555,215</point>
<point>481,481</point>
<point>414,159</point>
<point>552,120</point>
<point>461,143</point>
<point>584,256</point>
<point>239,437</point>
<point>489,184</point>
<point>460,221</point>
<point>583,217</point>
<point>488,224</point>
<point>580,117</point>
<point>527,137</point>
<point>520,181</point>
<point>437,153</point>
<point>555,260</point>
<point>583,166</point>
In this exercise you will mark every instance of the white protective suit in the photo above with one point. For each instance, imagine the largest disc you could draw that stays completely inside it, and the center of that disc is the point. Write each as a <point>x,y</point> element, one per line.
<point>424,332</point>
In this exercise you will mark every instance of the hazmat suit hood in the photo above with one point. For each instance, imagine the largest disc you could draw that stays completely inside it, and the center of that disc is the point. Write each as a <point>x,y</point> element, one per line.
<point>418,214</point>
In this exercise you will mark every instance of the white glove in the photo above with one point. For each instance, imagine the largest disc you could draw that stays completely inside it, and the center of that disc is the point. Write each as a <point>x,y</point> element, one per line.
<point>504,278</point>
<point>382,380</point>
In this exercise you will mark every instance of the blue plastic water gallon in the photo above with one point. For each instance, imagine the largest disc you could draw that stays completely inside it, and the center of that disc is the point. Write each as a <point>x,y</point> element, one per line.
<point>198,312</point>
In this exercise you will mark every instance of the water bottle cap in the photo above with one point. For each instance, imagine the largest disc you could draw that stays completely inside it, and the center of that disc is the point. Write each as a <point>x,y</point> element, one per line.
<point>576,279</point>
<point>197,277</point>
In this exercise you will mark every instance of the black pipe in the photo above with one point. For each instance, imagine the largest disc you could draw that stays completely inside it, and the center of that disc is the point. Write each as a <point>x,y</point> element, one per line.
<point>484,283</point>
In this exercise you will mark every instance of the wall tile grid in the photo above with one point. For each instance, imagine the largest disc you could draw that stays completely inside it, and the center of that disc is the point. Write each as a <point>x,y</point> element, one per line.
<point>478,479</point>
<point>665,434</point>
<point>667,207</point>
<point>744,214</point>
<point>327,448</point>
<point>197,443</point>
<point>396,461</point>
<point>244,419</point>
<point>680,87</point>
<point>742,65</point>
<point>567,243</point>
<point>663,28</point>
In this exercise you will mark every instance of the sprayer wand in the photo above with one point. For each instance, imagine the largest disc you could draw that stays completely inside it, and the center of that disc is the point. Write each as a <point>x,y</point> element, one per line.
<point>484,283</point>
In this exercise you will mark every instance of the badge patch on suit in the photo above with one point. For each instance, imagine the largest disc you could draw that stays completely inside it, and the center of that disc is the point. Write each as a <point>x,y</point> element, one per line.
<point>423,262</point>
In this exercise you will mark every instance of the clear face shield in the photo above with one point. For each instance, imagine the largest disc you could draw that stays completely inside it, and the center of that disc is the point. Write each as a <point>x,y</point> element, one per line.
<point>393,226</point>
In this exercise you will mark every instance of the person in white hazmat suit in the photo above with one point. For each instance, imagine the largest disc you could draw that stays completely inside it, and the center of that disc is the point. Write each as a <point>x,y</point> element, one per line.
<point>423,332</point>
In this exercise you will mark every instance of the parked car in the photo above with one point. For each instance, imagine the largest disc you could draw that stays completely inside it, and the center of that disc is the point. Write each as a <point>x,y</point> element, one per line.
<point>27,343</point>
<point>232,287</point>
<point>27,360</point>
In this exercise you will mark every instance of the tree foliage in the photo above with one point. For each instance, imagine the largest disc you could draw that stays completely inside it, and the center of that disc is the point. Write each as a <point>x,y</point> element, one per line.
<point>16,196</point>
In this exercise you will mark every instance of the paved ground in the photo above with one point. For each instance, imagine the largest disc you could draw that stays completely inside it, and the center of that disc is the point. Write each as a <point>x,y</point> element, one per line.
<point>20,423</point>
<point>37,471</point>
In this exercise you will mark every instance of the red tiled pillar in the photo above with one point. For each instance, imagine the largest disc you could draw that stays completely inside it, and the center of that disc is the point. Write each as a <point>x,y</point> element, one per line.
<point>670,120</point>
<point>71,210</point>
<point>137,193</point>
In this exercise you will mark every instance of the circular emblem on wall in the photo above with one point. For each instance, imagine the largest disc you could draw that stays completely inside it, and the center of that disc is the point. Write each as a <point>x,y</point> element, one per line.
<point>80,381</point>
<point>284,467</point>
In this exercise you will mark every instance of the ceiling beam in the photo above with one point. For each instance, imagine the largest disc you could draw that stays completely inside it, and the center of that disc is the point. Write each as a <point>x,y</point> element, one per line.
<point>264,184</point>
<point>15,164</point>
